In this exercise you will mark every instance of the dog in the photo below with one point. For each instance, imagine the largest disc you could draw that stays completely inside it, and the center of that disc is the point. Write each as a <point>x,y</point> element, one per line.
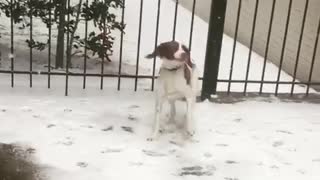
<point>178,81</point>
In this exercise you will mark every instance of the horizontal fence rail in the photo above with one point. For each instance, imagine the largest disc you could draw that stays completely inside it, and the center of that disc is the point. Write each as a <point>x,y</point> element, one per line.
<point>211,79</point>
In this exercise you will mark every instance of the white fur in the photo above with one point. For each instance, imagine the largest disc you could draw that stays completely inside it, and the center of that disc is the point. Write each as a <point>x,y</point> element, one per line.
<point>172,86</point>
<point>170,64</point>
<point>179,52</point>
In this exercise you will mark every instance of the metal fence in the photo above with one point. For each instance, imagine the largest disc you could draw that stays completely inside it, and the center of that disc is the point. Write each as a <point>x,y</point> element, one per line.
<point>213,52</point>
<point>84,74</point>
<point>211,78</point>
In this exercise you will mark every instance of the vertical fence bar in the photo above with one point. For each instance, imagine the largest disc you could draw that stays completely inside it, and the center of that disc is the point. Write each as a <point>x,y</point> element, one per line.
<point>121,46</point>
<point>12,45</point>
<point>85,51</point>
<point>234,46</point>
<point>155,45</point>
<point>138,49</point>
<point>175,21</point>
<point>30,58</point>
<point>103,43</point>
<point>251,46</point>
<point>313,59</point>
<point>299,47</point>
<point>283,47</point>
<point>267,47</point>
<point>192,23</point>
<point>49,48</point>
<point>213,50</point>
<point>68,41</point>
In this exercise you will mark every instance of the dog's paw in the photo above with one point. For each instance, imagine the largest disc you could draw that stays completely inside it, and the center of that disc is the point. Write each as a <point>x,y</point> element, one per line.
<point>153,137</point>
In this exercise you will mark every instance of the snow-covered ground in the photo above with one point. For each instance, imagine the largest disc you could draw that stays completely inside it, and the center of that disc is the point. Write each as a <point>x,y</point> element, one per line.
<point>95,134</point>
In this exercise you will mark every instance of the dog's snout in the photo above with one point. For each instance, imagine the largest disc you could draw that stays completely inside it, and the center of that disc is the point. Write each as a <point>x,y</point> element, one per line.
<point>184,56</point>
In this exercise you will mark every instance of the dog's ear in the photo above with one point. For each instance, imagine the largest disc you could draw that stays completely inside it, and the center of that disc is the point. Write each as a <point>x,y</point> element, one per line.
<point>153,54</point>
<point>150,56</point>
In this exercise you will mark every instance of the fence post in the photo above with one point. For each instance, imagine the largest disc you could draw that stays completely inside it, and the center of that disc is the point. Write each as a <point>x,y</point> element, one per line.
<point>213,51</point>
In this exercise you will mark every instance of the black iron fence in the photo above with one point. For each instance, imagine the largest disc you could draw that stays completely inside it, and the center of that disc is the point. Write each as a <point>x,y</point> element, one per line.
<point>213,53</point>
<point>211,78</point>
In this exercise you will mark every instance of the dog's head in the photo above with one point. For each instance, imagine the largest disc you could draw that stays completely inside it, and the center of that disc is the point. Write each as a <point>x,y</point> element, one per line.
<point>174,55</point>
<point>172,51</point>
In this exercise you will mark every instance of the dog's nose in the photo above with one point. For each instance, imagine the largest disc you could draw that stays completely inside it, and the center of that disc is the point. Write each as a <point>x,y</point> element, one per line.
<point>184,56</point>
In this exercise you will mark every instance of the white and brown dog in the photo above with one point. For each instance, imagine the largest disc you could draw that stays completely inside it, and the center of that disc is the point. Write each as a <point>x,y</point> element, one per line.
<point>178,80</point>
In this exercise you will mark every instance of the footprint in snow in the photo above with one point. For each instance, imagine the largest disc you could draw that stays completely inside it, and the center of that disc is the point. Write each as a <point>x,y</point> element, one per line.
<point>301,171</point>
<point>3,110</point>
<point>284,131</point>
<point>26,109</point>
<point>67,110</point>
<point>133,106</point>
<point>153,153</point>
<point>274,167</point>
<point>110,128</point>
<point>135,163</point>
<point>82,164</point>
<point>237,120</point>
<point>231,162</point>
<point>132,118</point>
<point>207,155</point>
<point>222,145</point>
<point>111,150</point>
<point>87,126</point>
<point>51,125</point>
<point>127,129</point>
<point>196,171</point>
<point>67,142</point>
<point>277,143</point>
<point>36,116</point>
<point>229,178</point>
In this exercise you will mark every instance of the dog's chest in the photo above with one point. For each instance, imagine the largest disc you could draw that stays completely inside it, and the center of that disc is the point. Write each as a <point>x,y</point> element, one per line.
<point>172,81</point>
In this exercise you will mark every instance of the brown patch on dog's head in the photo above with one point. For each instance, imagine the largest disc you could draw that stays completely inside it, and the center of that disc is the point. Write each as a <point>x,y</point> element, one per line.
<point>165,50</point>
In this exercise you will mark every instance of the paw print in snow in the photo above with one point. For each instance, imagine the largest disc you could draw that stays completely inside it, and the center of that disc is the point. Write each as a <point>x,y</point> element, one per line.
<point>110,128</point>
<point>228,178</point>
<point>51,125</point>
<point>277,143</point>
<point>128,129</point>
<point>196,171</point>
<point>26,109</point>
<point>36,116</point>
<point>67,110</point>
<point>132,118</point>
<point>231,162</point>
<point>134,106</point>
<point>82,164</point>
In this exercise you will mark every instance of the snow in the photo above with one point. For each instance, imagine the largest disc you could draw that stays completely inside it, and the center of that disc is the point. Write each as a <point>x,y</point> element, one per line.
<point>101,134</point>
<point>94,134</point>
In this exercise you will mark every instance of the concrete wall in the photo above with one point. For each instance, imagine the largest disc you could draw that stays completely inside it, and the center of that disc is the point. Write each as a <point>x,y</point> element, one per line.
<point>277,35</point>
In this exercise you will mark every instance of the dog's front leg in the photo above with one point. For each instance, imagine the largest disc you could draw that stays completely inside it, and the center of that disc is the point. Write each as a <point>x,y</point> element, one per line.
<point>189,121</point>
<point>172,111</point>
<point>156,125</point>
